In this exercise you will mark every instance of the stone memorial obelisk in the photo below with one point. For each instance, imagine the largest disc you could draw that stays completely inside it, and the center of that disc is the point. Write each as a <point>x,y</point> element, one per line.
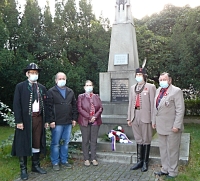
<point>123,60</point>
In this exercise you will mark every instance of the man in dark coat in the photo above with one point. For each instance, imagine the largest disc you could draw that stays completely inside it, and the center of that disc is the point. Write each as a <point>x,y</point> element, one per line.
<point>30,118</point>
<point>63,115</point>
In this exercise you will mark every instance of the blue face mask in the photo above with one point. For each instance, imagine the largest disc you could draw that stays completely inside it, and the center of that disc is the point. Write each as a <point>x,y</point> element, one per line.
<point>139,78</point>
<point>164,84</point>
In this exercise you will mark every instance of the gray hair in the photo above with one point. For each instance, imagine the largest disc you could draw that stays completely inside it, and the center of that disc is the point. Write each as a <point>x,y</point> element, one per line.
<point>56,76</point>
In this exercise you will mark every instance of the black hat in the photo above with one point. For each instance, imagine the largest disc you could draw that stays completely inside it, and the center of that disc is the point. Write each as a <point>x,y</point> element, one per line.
<point>32,66</point>
<point>140,70</point>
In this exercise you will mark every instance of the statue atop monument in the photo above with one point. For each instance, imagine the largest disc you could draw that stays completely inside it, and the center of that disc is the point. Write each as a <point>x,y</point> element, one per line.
<point>123,12</point>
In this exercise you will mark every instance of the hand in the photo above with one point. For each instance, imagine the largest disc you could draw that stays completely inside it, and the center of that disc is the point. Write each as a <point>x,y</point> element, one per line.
<point>53,125</point>
<point>20,126</point>
<point>129,123</point>
<point>73,123</point>
<point>175,130</point>
<point>154,126</point>
<point>93,119</point>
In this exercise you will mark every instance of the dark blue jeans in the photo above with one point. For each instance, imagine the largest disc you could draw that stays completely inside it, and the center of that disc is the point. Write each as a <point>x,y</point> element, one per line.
<point>60,137</point>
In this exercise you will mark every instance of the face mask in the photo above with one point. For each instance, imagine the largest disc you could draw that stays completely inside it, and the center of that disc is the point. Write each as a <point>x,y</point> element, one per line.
<point>61,83</point>
<point>139,78</point>
<point>164,84</point>
<point>89,89</point>
<point>33,77</point>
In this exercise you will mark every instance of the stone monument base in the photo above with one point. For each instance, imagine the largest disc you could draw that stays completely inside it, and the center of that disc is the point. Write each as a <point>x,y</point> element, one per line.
<point>114,114</point>
<point>115,100</point>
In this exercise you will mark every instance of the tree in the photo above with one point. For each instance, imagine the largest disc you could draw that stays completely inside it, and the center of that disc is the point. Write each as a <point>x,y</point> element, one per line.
<point>156,49</point>
<point>185,43</point>
<point>10,17</point>
<point>162,24</point>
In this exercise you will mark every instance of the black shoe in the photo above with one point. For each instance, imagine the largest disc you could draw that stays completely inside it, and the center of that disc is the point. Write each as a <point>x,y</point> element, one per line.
<point>23,166</point>
<point>24,175</point>
<point>146,151</point>
<point>137,166</point>
<point>160,173</point>
<point>66,165</point>
<point>139,163</point>
<point>36,164</point>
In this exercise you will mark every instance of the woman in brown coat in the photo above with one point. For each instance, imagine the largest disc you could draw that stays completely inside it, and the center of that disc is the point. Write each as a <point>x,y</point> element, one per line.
<point>90,109</point>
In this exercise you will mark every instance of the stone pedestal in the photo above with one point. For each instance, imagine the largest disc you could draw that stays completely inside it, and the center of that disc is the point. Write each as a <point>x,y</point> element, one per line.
<point>123,42</point>
<point>116,82</point>
<point>115,112</point>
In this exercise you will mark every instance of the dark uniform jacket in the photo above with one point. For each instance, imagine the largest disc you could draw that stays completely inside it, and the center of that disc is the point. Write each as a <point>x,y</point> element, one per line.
<point>22,105</point>
<point>62,110</point>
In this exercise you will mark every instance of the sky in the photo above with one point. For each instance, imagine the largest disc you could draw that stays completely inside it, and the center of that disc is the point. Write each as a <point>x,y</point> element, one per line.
<point>140,8</point>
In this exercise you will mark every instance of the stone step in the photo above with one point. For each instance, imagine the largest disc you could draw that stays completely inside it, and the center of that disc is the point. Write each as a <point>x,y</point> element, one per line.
<point>126,153</point>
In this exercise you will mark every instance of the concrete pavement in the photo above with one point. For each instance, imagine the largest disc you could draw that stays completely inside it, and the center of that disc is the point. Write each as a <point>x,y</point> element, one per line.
<point>103,172</point>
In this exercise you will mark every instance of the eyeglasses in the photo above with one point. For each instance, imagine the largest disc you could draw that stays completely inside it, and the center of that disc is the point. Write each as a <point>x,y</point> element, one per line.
<point>36,73</point>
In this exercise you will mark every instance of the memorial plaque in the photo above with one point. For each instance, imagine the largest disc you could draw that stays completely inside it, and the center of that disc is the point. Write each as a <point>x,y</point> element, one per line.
<point>119,90</point>
<point>121,59</point>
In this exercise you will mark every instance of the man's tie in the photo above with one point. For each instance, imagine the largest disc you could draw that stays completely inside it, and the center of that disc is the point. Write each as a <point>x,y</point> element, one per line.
<point>35,93</point>
<point>160,97</point>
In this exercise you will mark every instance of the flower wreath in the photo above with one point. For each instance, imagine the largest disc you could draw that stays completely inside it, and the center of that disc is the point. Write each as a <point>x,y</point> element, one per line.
<point>117,135</point>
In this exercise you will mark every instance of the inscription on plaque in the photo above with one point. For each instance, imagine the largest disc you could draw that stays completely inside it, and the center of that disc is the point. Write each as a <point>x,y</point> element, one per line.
<point>121,59</point>
<point>119,90</point>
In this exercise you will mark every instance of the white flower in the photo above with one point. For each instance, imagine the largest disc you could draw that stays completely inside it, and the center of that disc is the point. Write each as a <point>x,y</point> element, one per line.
<point>110,135</point>
<point>119,128</point>
<point>118,133</point>
<point>125,141</point>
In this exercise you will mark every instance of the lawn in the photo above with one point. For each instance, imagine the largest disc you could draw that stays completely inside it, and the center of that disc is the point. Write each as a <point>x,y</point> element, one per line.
<point>9,166</point>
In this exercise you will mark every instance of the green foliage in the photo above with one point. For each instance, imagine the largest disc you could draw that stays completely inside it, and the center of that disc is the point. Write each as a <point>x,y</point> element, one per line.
<point>192,107</point>
<point>7,114</point>
<point>105,137</point>
<point>76,43</point>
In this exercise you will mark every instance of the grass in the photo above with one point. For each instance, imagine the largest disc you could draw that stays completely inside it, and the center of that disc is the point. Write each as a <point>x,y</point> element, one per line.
<point>9,166</point>
<point>191,172</point>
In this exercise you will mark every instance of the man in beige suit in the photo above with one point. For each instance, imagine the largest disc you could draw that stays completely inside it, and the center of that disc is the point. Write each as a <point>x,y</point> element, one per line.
<point>169,111</point>
<point>140,109</point>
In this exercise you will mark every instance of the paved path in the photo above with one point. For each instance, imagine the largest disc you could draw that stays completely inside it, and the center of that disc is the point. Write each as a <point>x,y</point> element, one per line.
<point>102,172</point>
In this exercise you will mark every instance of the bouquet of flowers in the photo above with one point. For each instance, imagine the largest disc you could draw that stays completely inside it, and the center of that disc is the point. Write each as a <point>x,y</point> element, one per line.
<point>117,135</point>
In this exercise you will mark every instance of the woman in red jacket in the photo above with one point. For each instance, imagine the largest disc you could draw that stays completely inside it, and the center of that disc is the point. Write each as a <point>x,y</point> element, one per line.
<point>90,109</point>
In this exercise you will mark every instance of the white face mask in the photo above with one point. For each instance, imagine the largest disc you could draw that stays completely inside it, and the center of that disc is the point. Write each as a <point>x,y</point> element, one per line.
<point>61,83</point>
<point>88,89</point>
<point>33,77</point>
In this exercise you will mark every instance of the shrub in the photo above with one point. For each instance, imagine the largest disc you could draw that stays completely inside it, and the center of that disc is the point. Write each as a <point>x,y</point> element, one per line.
<point>192,107</point>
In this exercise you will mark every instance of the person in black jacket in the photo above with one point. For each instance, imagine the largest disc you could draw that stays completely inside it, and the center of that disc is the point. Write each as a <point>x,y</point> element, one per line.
<point>30,110</point>
<point>63,115</point>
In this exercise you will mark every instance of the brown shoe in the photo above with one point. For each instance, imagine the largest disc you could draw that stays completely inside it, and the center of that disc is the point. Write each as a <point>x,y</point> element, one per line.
<point>94,162</point>
<point>87,163</point>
